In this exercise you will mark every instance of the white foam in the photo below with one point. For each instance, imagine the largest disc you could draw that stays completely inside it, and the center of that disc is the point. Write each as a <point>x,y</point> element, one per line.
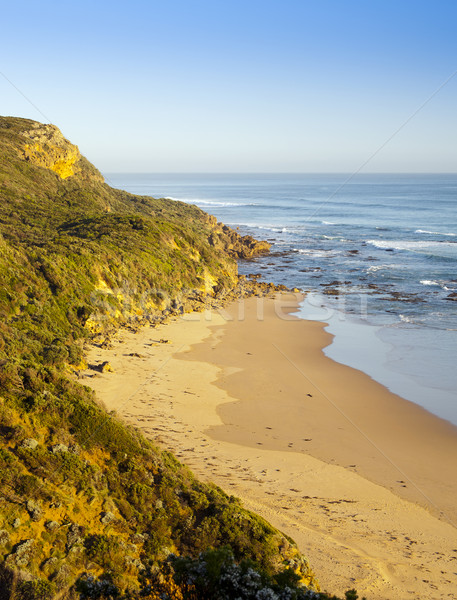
<point>429,282</point>
<point>434,232</point>
<point>209,202</point>
<point>375,268</point>
<point>413,245</point>
<point>440,284</point>
<point>405,319</point>
<point>264,227</point>
<point>334,237</point>
<point>317,253</point>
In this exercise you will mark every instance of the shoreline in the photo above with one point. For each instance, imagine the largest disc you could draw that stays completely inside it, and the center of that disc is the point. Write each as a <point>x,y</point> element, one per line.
<point>210,396</point>
<point>357,343</point>
<point>337,400</point>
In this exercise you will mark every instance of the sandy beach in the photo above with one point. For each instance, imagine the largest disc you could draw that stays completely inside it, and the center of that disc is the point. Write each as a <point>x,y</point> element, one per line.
<point>363,480</point>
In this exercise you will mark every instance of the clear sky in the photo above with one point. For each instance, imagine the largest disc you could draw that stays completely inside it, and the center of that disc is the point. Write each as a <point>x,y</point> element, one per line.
<point>252,85</point>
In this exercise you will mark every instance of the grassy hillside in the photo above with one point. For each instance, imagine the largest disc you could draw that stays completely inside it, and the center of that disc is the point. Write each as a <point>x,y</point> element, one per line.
<point>88,507</point>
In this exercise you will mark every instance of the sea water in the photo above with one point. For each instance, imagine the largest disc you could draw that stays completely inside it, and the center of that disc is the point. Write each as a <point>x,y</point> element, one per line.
<point>377,255</point>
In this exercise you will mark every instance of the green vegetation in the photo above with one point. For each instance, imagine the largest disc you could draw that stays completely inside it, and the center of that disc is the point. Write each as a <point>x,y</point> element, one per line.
<point>88,507</point>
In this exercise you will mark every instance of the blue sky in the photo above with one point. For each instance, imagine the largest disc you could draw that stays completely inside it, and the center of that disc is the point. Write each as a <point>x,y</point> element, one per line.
<point>206,85</point>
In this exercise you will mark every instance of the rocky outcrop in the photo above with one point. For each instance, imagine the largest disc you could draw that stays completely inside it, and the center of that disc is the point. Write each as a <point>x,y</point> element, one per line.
<point>48,148</point>
<point>235,245</point>
<point>241,246</point>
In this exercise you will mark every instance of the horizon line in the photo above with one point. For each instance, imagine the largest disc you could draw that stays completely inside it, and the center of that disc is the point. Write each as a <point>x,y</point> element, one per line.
<point>344,173</point>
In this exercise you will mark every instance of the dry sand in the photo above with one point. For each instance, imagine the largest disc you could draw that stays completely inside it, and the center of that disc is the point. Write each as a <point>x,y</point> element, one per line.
<point>363,480</point>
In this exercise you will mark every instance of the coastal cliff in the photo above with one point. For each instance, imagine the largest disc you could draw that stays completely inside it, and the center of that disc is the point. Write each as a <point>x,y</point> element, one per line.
<point>89,508</point>
<point>48,148</point>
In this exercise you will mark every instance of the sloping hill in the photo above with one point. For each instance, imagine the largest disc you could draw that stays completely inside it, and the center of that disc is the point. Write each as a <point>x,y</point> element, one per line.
<point>88,507</point>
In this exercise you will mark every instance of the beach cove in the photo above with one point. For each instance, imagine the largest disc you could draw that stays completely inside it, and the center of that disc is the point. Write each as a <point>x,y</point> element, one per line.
<point>363,480</point>
<point>377,252</point>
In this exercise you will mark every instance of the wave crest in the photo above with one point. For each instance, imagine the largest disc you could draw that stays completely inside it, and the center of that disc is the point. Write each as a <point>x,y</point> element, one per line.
<point>434,232</point>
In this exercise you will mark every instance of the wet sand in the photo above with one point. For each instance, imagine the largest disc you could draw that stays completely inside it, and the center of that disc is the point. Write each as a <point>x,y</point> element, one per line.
<point>363,480</point>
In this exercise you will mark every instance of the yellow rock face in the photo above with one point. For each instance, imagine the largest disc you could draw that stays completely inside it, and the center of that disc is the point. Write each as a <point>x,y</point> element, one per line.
<point>49,149</point>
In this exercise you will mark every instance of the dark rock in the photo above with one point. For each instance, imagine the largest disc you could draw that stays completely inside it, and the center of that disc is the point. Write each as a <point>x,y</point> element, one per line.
<point>332,283</point>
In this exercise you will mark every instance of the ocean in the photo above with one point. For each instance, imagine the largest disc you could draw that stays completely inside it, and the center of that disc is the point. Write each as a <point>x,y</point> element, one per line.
<point>376,254</point>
